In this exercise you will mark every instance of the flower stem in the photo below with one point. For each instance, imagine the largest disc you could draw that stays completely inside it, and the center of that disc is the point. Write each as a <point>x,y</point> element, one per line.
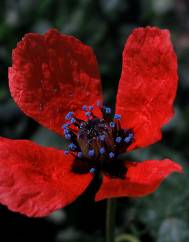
<point>126,238</point>
<point>110,219</point>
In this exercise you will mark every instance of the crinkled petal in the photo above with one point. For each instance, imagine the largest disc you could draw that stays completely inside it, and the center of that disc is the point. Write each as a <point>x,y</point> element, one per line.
<point>141,179</point>
<point>51,75</point>
<point>148,84</point>
<point>36,180</point>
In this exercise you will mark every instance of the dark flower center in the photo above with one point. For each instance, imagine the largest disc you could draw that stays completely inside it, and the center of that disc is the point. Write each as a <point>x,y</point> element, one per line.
<point>97,143</point>
<point>94,138</point>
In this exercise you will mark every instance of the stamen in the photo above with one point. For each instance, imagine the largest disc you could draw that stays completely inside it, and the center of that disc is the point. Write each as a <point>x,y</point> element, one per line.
<point>72,146</point>
<point>79,154</point>
<point>91,153</point>
<point>68,136</point>
<point>84,108</point>
<point>118,139</point>
<point>102,150</point>
<point>129,138</point>
<point>69,115</point>
<point>66,152</point>
<point>88,114</point>
<point>96,139</point>
<point>92,170</point>
<point>91,108</point>
<point>108,110</point>
<point>111,155</point>
<point>64,126</point>
<point>73,120</point>
<point>131,135</point>
<point>102,137</point>
<point>82,125</point>
<point>66,131</point>
<point>117,116</point>
<point>112,124</point>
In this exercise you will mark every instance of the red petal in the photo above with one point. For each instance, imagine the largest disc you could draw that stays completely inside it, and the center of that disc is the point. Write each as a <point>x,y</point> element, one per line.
<point>51,75</point>
<point>35,180</point>
<point>148,84</point>
<point>141,179</point>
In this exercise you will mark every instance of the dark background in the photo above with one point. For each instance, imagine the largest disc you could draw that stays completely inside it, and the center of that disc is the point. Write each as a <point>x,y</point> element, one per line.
<point>104,25</point>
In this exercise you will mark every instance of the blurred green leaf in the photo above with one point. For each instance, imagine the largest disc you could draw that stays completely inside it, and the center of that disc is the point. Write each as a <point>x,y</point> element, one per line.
<point>48,138</point>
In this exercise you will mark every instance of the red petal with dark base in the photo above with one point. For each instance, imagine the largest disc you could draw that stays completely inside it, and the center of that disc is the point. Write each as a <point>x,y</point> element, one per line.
<point>141,179</point>
<point>35,180</point>
<point>148,84</point>
<point>51,75</point>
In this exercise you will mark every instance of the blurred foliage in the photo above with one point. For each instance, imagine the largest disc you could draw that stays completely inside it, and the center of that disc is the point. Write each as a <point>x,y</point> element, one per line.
<point>105,25</point>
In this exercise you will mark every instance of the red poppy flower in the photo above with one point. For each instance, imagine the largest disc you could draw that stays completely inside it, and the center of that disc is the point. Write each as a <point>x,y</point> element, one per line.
<point>55,80</point>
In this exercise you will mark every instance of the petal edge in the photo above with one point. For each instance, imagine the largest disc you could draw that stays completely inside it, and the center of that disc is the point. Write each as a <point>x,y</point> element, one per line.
<point>148,84</point>
<point>36,180</point>
<point>51,75</point>
<point>142,179</point>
